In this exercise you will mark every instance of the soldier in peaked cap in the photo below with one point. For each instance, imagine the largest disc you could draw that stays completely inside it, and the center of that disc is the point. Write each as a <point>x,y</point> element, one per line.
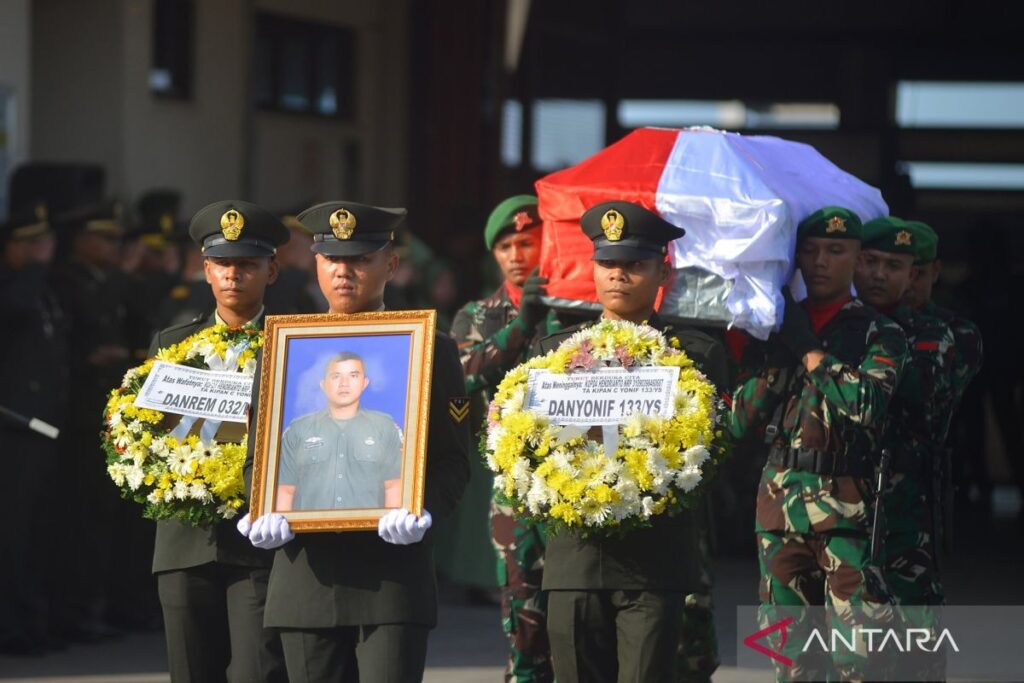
<point>212,583</point>
<point>616,605</point>
<point>361,604</point>
<point>34,365</point>
<point>96,295</point>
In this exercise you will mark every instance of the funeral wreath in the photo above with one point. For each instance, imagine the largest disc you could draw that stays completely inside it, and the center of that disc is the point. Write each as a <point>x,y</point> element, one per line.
<point>174,473</point>
<point>652,464</point>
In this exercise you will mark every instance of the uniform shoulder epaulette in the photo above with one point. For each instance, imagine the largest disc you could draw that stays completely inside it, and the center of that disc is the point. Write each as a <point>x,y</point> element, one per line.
<point>552,340</point>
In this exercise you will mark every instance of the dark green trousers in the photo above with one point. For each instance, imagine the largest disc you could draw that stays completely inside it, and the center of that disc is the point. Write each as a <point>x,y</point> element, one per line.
<point>213,618</point>
<point>604,636</point>
<point>383,653</point>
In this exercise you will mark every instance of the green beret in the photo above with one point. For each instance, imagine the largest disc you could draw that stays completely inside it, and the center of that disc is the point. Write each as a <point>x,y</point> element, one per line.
<point>237,229</point>
<point>889,234</point>
<point>624,231</point>
<point>519,212</point>
<point>926,242</point>
<point>833,222</point>
<point>350,228</point>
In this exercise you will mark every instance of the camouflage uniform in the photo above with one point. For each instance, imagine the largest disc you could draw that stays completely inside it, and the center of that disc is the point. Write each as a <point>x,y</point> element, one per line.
<point>813,529</point>
<point>491,342</point>
<point>967,350</point>
<point>916,430</point>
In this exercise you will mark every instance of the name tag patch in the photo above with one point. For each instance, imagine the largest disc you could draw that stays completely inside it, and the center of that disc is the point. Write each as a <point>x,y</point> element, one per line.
<point>313,442</point>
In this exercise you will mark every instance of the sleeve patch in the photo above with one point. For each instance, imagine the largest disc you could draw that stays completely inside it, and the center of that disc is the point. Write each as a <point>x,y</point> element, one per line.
<point>458,409</point>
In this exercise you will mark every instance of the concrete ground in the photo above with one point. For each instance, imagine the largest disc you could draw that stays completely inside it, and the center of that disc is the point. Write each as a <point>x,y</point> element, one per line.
<point>468,646</point>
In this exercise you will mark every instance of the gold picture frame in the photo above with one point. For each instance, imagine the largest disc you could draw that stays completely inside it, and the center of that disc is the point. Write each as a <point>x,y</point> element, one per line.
<point>302,456</point>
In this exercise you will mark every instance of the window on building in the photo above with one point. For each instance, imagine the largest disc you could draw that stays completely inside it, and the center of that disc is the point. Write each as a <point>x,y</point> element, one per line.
<point>953,104</point>
<point>304,68</point>
<point>947,175</point>
<point>170,74</point>
<point>512,133</point>
<point>728,114</point>
<point>565,132</point>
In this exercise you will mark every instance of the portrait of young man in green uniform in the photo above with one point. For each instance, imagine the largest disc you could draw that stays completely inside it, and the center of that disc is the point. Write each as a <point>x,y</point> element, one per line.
<point>344,456</point>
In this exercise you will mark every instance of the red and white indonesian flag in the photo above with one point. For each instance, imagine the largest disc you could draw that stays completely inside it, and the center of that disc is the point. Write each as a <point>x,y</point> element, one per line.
<point>739,198</point>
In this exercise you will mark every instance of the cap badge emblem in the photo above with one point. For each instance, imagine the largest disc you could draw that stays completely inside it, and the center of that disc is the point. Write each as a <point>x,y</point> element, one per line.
<point>903,238</point>
<point>522,221</point>
<point>612,223</point>
<point>343,223</point>
<point>835,224</point>
<point>231,224</point>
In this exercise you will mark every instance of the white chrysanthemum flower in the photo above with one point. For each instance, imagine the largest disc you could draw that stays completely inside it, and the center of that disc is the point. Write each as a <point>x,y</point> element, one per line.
<point>596,514</point>
<point>180,490</point>
<point>686,404</point>
<point>116,472</point>
<point>492,464</point>
<point>134,476</point>
<point>688,478</point>
<point>539,495</point>
<point>155,496</point>
<point>646,506</point>
<point>249,369</point>
<point>493,437</point>
<point>515,399</point>
<point>563,461</point>
<point>226,511</point>
<point>135,428</point>
<point>180,461</point>
<point>521,475</point>
<point>499,482</point>
<point>198,491</point>
<point>159,448</point>
<point>696,456</point>
<point>114,420</point>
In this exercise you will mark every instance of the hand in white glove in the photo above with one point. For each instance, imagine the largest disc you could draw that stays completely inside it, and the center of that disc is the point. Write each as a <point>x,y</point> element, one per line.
<point>269,531</point>
<point>244,524</point>
<point>401,527</point>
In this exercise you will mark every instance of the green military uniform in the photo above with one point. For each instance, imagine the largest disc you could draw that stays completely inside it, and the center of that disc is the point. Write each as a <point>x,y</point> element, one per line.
<point>212,582</point>
<point>340,463</point>
<point>492,339</point>
<point>916,429</point>
<point>821,430</point>
<point>616,605</point>
<point>350,602</point>
<point>97,299</point>
<point>34,364</point>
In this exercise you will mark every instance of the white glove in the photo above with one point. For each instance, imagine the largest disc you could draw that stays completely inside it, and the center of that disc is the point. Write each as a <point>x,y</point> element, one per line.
<point>401,527</point>
<point>244,524</point>
<point>269,531</point>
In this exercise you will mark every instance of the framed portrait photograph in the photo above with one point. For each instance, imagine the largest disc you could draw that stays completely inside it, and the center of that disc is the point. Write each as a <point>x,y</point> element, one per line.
<point>341,427</point>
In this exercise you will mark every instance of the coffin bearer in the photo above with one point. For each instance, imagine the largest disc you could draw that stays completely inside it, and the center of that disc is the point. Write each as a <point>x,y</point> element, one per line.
<point>359,605</point>
<point>615,605</point>
<point>816,396</point>
<point>212,583</point>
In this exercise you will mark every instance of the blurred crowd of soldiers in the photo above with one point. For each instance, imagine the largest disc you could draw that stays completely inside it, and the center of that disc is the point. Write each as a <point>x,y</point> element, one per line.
<point>84,290</point>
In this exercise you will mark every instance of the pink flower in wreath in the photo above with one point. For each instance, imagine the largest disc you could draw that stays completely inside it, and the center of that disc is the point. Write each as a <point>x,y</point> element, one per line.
<point>622,354</point>
<point>583,359</point>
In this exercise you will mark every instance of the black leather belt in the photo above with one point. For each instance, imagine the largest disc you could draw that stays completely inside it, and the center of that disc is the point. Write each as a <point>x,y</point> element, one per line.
<point>818,462</point>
